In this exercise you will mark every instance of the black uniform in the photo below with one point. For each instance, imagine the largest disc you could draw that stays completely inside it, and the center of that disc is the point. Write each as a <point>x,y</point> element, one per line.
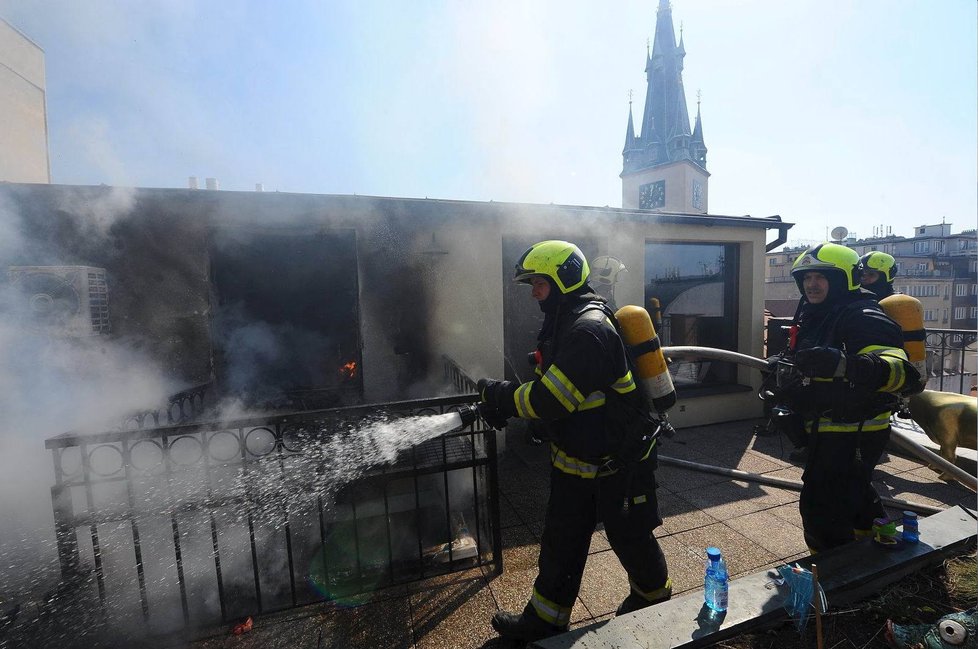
<point>847,417</point>
<point>583,361</point>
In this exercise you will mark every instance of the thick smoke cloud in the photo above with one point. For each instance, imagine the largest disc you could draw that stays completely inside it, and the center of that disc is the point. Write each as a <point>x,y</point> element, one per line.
<point>51,383</point>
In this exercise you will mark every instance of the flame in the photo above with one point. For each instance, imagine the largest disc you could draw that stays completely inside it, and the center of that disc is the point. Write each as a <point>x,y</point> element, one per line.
<point>348,370</point>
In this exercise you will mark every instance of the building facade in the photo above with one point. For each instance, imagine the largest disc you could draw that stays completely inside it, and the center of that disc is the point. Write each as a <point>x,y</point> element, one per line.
<point>934,266</point>
<point>360,299</point>
<point>24,127</point>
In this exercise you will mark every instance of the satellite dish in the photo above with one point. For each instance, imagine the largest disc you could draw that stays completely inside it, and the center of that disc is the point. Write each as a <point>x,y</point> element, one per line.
<point>839,233</point>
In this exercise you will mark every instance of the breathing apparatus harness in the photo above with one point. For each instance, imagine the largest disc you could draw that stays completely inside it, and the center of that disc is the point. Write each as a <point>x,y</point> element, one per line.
<point>783,387</point>
<point>630,424</point>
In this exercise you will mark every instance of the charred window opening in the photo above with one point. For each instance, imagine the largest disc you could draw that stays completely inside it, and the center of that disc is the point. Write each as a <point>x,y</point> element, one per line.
<point>285,321</point>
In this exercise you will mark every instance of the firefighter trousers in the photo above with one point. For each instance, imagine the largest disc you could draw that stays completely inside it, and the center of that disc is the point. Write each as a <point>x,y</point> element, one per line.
<point>837,496</point>
<point>575,508</point>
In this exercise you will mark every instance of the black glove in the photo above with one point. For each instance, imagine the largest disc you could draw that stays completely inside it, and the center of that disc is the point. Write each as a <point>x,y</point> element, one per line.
<point>490,391</point>
<point>492,416</point>
<point>772,365</point>
<point>865,371</point>
<point>823,362</point>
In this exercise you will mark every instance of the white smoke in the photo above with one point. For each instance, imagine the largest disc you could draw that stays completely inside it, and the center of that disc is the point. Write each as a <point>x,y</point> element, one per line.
<point>51,383</point>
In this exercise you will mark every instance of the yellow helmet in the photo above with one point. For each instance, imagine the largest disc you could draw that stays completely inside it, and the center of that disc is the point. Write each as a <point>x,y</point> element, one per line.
<point>831,259</point>
<point>561,261</point>
<point>881,262</point>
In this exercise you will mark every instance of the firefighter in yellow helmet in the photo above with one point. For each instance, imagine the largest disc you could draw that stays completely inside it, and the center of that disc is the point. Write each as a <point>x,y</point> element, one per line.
<point>851,355</point>
<point>585,387</point>
<point>876,271</point>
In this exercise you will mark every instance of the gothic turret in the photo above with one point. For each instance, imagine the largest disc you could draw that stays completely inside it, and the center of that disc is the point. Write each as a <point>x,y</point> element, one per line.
<point>696,143</point>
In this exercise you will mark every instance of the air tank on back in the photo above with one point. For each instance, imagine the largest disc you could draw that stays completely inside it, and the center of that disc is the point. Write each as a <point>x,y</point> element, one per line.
<point>646,351</point>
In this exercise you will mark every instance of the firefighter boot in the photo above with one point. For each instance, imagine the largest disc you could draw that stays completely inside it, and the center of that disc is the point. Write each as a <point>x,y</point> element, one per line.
<point>634,601</point>
<point>526,626</point>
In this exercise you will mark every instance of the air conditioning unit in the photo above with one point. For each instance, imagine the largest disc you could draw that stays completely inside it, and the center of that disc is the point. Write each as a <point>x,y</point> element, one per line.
<point>61,300</point>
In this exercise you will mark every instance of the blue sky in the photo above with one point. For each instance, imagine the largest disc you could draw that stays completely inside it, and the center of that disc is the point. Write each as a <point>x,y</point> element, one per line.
<point>827,112</point>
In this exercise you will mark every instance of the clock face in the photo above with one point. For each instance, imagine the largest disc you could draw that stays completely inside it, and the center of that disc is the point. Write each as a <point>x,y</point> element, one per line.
<point>652,195</point>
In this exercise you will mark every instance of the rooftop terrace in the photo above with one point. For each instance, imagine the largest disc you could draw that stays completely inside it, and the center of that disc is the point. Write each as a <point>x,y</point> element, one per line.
<point>756,525</point>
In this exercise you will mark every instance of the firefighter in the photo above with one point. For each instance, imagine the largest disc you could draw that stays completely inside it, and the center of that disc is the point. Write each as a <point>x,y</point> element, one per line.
<point>851,355</point>
<point>876,271</point>
<point>582,387</point>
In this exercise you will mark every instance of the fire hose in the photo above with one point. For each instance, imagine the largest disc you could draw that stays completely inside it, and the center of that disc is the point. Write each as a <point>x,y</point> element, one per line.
<point>899,437</point>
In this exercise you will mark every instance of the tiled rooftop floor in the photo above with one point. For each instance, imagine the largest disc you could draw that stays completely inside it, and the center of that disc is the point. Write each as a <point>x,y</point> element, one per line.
<point>756,525</point>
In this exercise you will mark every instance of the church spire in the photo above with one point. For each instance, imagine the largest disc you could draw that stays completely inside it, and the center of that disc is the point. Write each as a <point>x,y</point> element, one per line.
<point>665,135</point>
<point>696,143</point>
<point>630,131</point>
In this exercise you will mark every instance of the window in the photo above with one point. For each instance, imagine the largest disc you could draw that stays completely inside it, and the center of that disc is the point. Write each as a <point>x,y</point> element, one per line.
<point>939,246</point>
<point>973,266</point>
<point>928,290</point>
<point>695,288</point>
<point>959,312</point>
<point>974,312</point>
<point>960,290</point>
<point>921,246</point>
<point>930,315</point>
<point>974,289</point>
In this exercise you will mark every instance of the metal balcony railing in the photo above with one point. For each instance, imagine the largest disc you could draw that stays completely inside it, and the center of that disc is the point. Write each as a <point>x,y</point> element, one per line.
<point>187,524</point>
<point>183,407</point>
<point>951,359</point>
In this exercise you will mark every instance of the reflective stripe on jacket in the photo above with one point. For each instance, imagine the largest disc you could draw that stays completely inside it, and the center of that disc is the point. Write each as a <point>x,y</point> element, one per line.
<point>585,357</point>
<point>857,326</point>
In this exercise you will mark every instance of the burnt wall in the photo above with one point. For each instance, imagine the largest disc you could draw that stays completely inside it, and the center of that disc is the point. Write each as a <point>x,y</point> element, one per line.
<point>153,249</point>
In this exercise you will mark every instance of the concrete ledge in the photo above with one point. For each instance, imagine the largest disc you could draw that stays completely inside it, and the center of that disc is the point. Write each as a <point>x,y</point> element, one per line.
<point>847,574</point>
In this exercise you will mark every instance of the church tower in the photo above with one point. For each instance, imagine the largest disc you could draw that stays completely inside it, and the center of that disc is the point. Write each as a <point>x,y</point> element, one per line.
<point>664,167</point>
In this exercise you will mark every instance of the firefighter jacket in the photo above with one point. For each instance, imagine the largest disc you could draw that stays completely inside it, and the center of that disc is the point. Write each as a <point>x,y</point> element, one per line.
<point>583,358</point>
<point>858,327</point>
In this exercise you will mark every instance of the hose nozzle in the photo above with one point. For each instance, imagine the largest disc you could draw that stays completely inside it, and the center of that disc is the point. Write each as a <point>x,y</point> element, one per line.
<point>469,414</point>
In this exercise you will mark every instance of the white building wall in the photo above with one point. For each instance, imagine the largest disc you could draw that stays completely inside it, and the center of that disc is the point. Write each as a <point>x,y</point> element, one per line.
<point>23,127</point>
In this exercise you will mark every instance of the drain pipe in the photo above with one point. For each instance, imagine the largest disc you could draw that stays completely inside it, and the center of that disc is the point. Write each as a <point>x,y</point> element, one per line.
<point>793,485</point>
<point>902,439</point>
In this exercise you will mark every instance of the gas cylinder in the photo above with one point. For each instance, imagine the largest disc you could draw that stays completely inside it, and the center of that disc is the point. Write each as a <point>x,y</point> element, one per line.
<point>906,311</point>
<point>646,352</point>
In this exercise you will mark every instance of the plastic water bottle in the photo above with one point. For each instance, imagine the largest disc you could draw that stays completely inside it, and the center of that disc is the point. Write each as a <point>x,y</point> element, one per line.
<point>911,533</point>
<point>715,581</point>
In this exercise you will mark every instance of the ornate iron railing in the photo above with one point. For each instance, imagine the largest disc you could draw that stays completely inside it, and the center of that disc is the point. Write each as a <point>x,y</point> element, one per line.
<point>951,359</point>
<point>183,407</point>
<point>187,523</point>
